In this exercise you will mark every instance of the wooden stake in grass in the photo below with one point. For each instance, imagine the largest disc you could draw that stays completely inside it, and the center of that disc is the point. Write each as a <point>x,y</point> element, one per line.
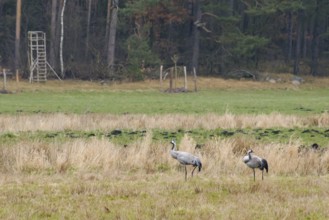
<point>171,79</point>
<point>185,79</point>
<point>175,59</point>
<point>4,80</point>
<point>194,74</point>
<point>161,69</point>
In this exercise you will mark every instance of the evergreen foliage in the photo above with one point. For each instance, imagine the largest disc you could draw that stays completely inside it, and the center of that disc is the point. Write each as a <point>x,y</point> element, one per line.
<point>243,34</point>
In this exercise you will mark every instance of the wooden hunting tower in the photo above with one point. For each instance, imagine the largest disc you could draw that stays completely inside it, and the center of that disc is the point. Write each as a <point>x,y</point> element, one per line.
<point>38,57</point>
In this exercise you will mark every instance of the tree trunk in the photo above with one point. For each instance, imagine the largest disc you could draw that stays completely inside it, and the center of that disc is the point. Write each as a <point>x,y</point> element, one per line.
<point>196,35</point>
<point>231,6</point>
<point>298,42</point>
<point>289,45</point>
<point>17,39</point>
<point>108,19</point>
<point>315,43</point>
<point>304,42</point>
<point>62,39</point>
<point>53,26</point>
<point>88,28</point>
<point>112,35</point>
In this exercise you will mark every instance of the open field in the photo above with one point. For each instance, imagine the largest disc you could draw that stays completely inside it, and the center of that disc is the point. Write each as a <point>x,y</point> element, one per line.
<point>96,179</point>
<point>214,96</point>
<point>88,151</point>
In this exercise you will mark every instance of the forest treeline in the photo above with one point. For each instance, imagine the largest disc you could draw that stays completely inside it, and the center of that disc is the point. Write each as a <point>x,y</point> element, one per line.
<point>130,39</point>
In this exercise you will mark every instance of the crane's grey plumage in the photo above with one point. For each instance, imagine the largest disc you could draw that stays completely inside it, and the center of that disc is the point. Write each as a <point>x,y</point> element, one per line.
<point>254,162</point>
<point>185,158</point>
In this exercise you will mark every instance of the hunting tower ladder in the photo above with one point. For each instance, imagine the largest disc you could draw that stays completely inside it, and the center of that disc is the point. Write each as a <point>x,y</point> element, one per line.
<point>38,57</point>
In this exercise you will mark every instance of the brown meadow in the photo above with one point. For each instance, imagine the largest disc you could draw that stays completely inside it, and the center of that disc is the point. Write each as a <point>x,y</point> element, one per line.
<point>97,179</point>
<point>60,121</point>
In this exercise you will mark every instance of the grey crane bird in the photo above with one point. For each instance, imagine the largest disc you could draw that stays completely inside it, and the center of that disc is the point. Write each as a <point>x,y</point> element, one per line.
<point>254,162</point>
<point>185,158</point>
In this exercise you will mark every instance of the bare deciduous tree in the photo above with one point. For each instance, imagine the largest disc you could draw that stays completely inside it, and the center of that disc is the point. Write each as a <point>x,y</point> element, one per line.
<point>17,38</point>
<point>53,27</point>
<point>108,19</point>
<point>62,39</point>
<point>196,34</point>
<point>88,28</point>
<point>113,29</point>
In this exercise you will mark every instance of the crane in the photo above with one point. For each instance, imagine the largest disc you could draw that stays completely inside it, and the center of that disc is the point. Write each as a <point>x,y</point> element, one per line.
<point>185,158</point>
<point>254,162</point>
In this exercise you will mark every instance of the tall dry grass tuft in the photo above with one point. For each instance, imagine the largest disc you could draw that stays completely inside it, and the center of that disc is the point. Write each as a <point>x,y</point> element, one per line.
<point>60,121</point>
<point>83,155</point>
<point>222,157</point>
<point>219,157</point>
<point>321,120</point>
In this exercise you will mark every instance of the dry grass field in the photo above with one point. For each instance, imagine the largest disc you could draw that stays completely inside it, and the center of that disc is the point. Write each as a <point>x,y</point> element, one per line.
<point>96,178</point>
<point>60,121</point>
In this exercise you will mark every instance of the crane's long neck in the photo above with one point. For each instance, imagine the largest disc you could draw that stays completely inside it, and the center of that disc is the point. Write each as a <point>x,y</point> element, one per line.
<point>173,151</point>
<point>173,147</point>
<point>249,155</point>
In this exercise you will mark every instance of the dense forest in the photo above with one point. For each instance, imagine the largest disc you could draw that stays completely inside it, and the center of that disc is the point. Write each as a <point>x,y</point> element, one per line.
<point>130,39</point>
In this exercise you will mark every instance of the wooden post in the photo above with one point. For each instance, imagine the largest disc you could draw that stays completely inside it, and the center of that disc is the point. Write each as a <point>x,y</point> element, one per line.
<point>171,78</point>
<point>185,79</point>
<point>4,80</point>
<point>17,75</point>
<point>194,73</point>
<point>175,59</point>
<point>175,75</point>
<point>161,69</point>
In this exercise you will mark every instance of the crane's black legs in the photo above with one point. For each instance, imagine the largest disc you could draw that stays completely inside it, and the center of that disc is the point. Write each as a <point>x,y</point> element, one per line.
<point>262,174</point>
<point>185,173</point>
<point>193,170</point>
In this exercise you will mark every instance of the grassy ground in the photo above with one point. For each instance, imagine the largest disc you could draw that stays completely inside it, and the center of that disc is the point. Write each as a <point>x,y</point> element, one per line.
<point>62,155</point>
<point>214,96</point>
<point>96,179</point>
<point>164,197</point>
<point>151,102</point>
